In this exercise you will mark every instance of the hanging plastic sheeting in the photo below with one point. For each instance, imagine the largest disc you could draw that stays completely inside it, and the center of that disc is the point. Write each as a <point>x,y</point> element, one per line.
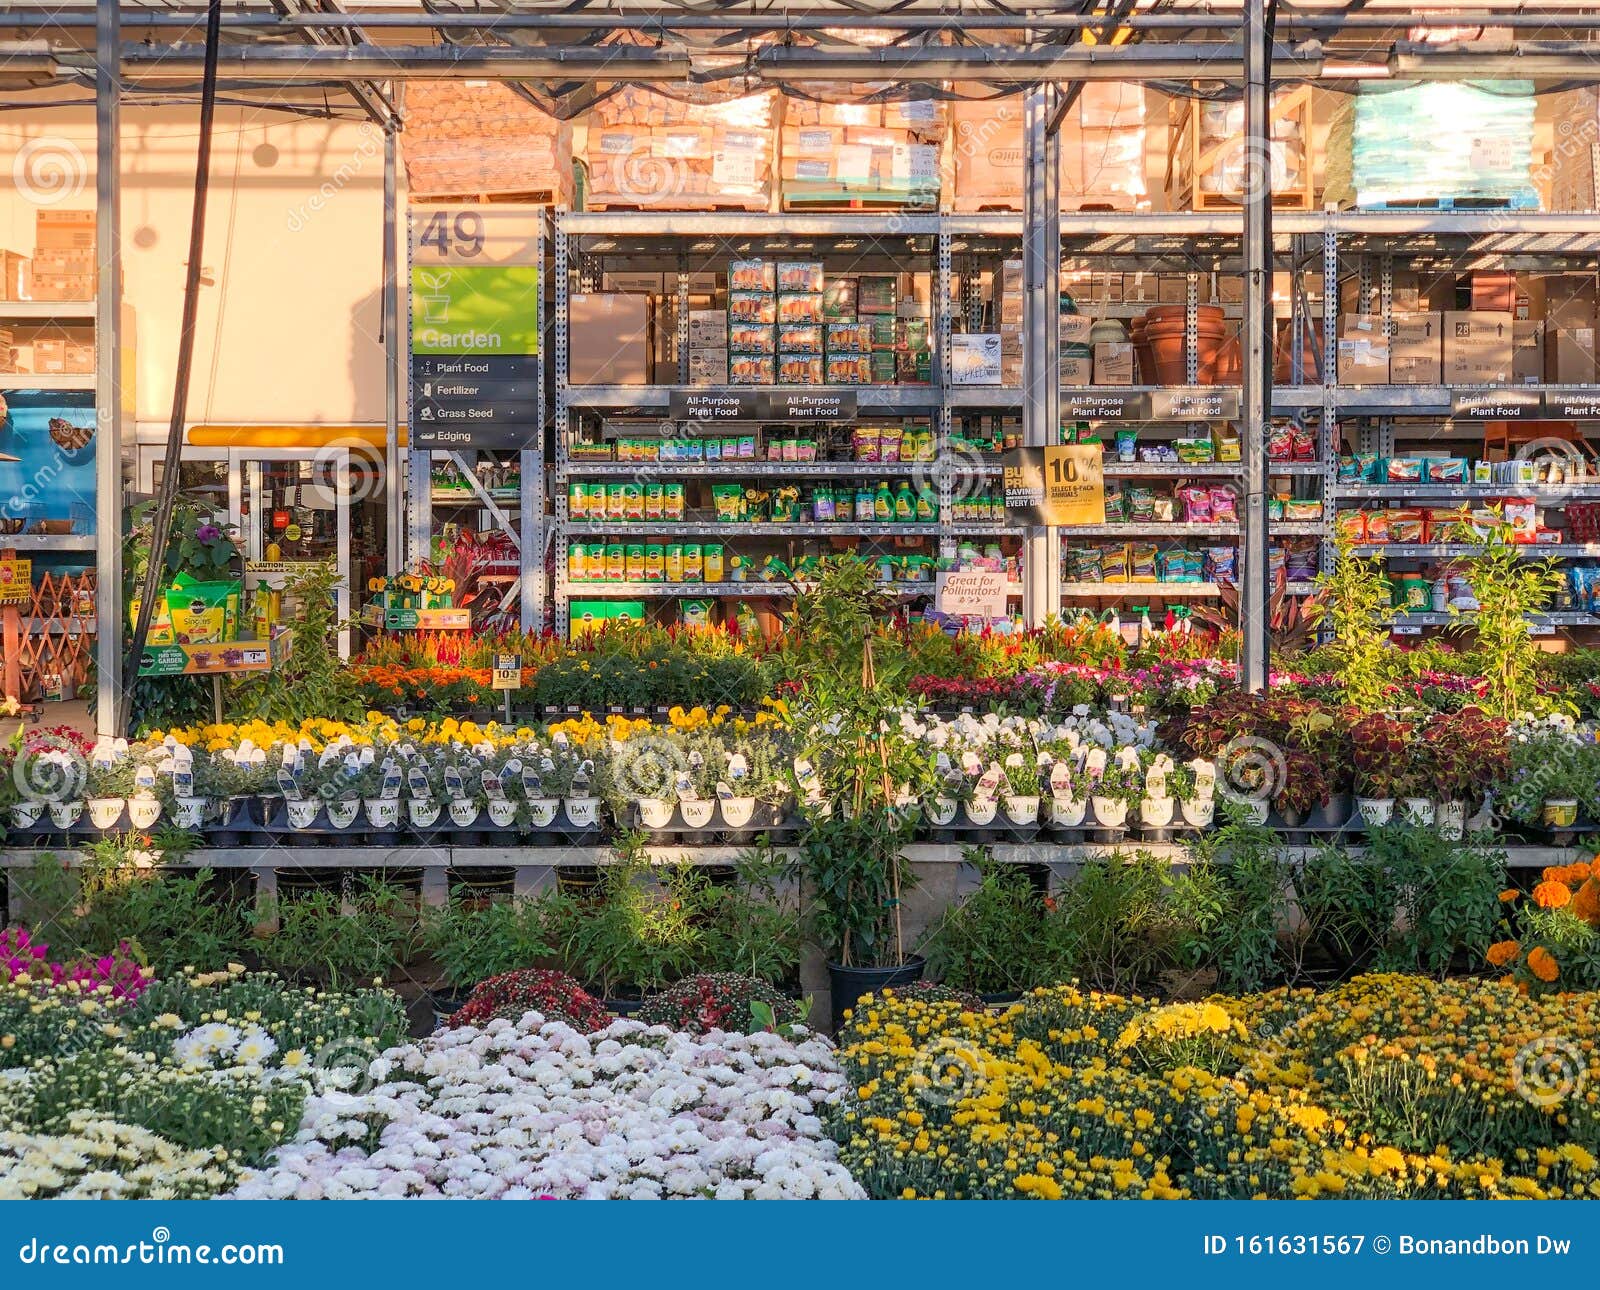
<point>1445,142</point>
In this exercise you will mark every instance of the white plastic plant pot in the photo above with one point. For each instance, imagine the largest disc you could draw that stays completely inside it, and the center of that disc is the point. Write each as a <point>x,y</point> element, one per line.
<point>1065,813</point>
<point>187,812</point>
<point>1417,810</point>
<point>1451,820</point>
<point>423,812</point>
<point>382,812</point>
<point>980,811</point>
<point>1109,812</point>
<point>1022,808</point>
<point>1198,812</point>
<point>697,811</point>
<point>65,814</point>
<point>342,811</point>
<point>655,812</point>
<point>1156,812</point>
<point>583,812</point>
<point>1375,812</point>
<point>105,812</point>
<point>542,811</point>
<point>1256,810</point>
<point>24,815</point>
<point>503,812</point>
<point>940,811</point>
<point>463,812</point>
<point>302,812</point>
<point>737,812</point>
<point>144,809</point>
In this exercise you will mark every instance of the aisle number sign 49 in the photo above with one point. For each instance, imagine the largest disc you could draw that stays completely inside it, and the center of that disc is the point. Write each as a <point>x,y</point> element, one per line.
<point>474,281</point>
<point>1060,486</point>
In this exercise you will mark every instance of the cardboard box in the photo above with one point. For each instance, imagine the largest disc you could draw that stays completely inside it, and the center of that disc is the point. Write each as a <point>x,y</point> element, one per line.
<point>975,359</point>
<point>58,230</point>
<point>708,329</point>
<point>63,355</point>
<point>637,284</point>
<point>1363,350</point>
<point>708,367</point>
<point>1569,355</point>
<point>1113,362</point>
<point>1494,292</point>
<point>1477,348</point>
<point>1172,289</point>
<point>1416,350</point>
<point>1077,370</point>
<point>14,276</point>
<point>1527,351</point>
<point>608,339</point>
<point>60,287</point>
<point>1075,329</point>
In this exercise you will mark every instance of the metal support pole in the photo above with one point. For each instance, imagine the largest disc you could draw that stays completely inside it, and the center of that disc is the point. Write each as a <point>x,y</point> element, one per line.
<point>1041,337</point>
<point>393,492</point>
<point>1254,624</point>
<point>108,369</point>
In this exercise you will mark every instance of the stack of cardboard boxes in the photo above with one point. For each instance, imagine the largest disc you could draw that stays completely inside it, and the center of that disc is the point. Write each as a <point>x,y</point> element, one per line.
<point>865,150</point>
<point>471,137</point>
<point>1102,151</point>
<point>1516,332</point>
<point>62,268</point>
<point>657,153</point>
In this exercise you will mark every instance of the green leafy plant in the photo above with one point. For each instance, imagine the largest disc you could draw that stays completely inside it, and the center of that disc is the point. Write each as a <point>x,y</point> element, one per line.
<point>313,681</point>
<point>1000,938</point>
<point>1508,589</point>
<point>1352,602</point>
<point>336,938</point>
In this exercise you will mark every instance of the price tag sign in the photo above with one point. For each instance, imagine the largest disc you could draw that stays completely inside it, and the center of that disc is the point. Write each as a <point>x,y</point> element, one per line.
<point>507,672</point>
<point>1055,486</point>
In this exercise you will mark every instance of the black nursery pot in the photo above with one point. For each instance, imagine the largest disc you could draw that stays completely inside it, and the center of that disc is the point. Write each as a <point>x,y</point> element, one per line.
<point>848,984</point>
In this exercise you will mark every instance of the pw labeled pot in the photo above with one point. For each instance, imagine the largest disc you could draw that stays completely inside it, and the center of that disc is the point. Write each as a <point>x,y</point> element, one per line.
<point>1417,811</point>
<point>144,809</point>
<point>1375,812</point>
<point>1198,812</point>
<point>105,813</point>
<point>1451,819</point>
<point>1109,812</point>
<point>697,812</point>
<point>1156,812</point>
<point>655,812</point>
<point>542,811</point>
<point>1067,812</point>
<point>938,812</point>
<point>187,812</point>
<point>736,812</point>
<point>980,812</point>
<point>1022,809</point>
<point>582,812</point>
<point>1557,813</point>
<point>302,811</point>
<point>847,984</point>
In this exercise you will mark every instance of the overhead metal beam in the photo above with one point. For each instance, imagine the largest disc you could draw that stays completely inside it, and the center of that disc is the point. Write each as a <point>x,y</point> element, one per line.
<point>1179,61</point>
<point>369,96</point>
<point>1550,60</point>
<point>295,64</point>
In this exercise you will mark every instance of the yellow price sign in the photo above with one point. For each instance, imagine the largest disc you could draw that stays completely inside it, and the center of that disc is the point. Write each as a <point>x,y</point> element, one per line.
<point>507,672</point>
<point>16,581</point>
<point>1060,486</point>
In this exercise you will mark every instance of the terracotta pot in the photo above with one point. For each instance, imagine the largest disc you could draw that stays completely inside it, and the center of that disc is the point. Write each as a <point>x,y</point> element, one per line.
<point>1165,339</point>
<point>1310,356</point>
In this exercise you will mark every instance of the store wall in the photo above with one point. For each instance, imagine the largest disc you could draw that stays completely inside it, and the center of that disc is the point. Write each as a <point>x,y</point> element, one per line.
<point>290,311</point>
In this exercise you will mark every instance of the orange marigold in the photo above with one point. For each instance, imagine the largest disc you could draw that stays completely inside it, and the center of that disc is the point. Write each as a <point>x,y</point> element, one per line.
<point>1543,964</point>
<point>1552,895</point>
<point>1586,904</point>
<point>1509,894</point>
<point>1502,952</point>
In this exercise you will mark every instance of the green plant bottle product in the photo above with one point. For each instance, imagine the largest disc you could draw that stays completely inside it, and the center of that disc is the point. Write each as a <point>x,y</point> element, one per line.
<point>905,505</point>
<point>927,505</point>
<point>883,503</point>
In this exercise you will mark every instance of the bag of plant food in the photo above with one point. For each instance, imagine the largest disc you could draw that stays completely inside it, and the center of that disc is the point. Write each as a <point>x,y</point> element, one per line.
<point>202,613</point>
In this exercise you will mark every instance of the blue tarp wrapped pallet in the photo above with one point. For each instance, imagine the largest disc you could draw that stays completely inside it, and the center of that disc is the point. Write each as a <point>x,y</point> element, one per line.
<point>1445,144</point>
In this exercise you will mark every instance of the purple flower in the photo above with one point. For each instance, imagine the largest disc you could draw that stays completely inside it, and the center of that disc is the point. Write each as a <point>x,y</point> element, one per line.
<point>208,533</point>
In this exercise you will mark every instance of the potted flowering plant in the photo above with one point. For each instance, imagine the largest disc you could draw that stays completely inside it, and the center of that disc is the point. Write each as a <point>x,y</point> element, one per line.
<point>1303,790</point>
<point>108,785</point>
<point>1116,788</point>
<point>1471,754</point>
<point>1156,803</point>
<point>705,770</point>
<point>186,803</point>
<point>1020,767</point>
<point>1196,793</point>
<point>547,774</point>
<point>1069,802</point>
<point>1378,747</point>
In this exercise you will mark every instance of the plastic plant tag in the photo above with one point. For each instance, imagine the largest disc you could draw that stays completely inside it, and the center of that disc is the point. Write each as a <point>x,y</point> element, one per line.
<point>724,792</point>
<point>738,766</point>
<point>971,763</point>
<point>532,785</point>
<point>1205,777</point>
<point>417,781</point>
<point>390,787</point>
<point>452,782</point>
<point>990,780</point>
<point>492,786</point>
<point>287,785</point>
<point>1061,780</point>
<point>183,783</point>
<point>512,768</point>
<point>144,775</point>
